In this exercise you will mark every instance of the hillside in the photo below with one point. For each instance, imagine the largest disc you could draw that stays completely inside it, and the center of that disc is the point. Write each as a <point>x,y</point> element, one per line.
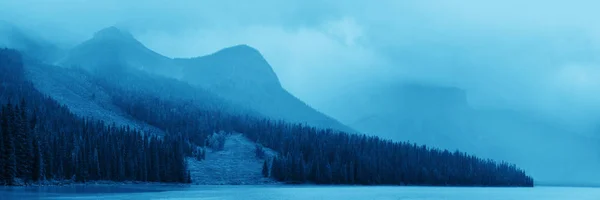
<point>43,142</point>
<point>81,94</point>
<point>238,74</point>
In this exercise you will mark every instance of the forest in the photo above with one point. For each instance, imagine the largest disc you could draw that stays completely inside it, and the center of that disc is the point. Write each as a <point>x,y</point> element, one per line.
<point>42,140</point>
<point>321,156</point>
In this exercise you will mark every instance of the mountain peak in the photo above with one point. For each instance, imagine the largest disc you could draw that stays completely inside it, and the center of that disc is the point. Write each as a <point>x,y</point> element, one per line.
<point>239,63</point>
<point>114,47</point>
<point>113,32</point>
<point>239,50</point>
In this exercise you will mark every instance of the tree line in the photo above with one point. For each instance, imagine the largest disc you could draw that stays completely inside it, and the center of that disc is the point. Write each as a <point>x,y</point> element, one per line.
<point>42,141</point>
<point>328,157</point>
<point>310,155</point>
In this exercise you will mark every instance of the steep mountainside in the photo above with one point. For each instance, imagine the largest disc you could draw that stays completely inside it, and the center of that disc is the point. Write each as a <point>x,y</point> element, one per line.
<point>442,117</point>
<point>81,94</point>
<point>238,74</point>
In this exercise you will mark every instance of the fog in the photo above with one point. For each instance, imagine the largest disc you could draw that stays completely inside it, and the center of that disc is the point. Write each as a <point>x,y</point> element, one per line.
<point>540,57</point>
<point>546,49</point>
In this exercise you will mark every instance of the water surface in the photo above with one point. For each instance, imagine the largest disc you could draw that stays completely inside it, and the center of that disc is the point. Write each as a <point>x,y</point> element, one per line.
<point>297,193</point>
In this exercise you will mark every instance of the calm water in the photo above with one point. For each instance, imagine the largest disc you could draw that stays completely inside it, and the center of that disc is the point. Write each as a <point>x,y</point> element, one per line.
<point>298,192</point>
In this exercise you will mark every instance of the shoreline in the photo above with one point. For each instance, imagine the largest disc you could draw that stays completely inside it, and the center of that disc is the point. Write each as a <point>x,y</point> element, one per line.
<point>138,183</point>
<point>91,183</point>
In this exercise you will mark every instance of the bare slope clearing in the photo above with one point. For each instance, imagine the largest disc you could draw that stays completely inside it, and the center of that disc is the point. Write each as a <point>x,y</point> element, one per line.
<point>236,164</point>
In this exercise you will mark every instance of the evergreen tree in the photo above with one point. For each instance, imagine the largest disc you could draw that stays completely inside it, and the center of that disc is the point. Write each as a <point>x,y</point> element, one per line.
<point>41,139</point>
<point>23,143</point>
<point>36,168</point>
<point>10,160</point>
<point>265,169</point>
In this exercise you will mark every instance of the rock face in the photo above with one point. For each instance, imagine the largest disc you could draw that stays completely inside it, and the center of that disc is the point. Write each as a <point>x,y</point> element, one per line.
<point>238,74</point>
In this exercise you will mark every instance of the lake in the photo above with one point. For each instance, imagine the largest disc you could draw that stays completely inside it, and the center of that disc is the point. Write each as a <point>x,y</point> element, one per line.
<point>284,192</point>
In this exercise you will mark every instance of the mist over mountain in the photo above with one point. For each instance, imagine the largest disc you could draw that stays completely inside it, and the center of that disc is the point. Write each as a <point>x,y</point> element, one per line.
<point>239,74</point>
<point>242,75</point>
<point>111,47</point>
<point>443,117</point>
<point>15,37</point>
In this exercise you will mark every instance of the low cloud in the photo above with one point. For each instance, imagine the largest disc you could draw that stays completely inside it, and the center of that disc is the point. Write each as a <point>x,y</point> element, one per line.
<point>535,55</point>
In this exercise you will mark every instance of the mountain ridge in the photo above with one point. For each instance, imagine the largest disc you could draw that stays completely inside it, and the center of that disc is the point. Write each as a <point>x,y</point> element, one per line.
<point>239,74</point>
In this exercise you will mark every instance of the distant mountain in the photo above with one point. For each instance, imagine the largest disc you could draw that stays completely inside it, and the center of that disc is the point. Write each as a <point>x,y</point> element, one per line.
<point>238,74</point>
<point>405,111</point>
<point>442,117</point>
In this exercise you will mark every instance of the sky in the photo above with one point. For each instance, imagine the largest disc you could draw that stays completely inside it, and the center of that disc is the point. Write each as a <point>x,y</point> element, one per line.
<point>539,55</point>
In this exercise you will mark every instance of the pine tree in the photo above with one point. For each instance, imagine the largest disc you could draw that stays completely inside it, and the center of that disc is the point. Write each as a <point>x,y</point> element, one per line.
<point>37,167</point>
<point>10,160</point>
<point>23,143</point>
<point>189,177</point>
<point>265,169</point>
<point>3,150</point>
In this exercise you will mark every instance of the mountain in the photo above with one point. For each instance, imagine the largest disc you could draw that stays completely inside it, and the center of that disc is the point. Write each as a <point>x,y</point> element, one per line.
<point>238,74</point>
<point>242,75</point>
<point>239,66</point>
<point>113,48</point>
<point>442,117</point>
<point>403,111</point>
